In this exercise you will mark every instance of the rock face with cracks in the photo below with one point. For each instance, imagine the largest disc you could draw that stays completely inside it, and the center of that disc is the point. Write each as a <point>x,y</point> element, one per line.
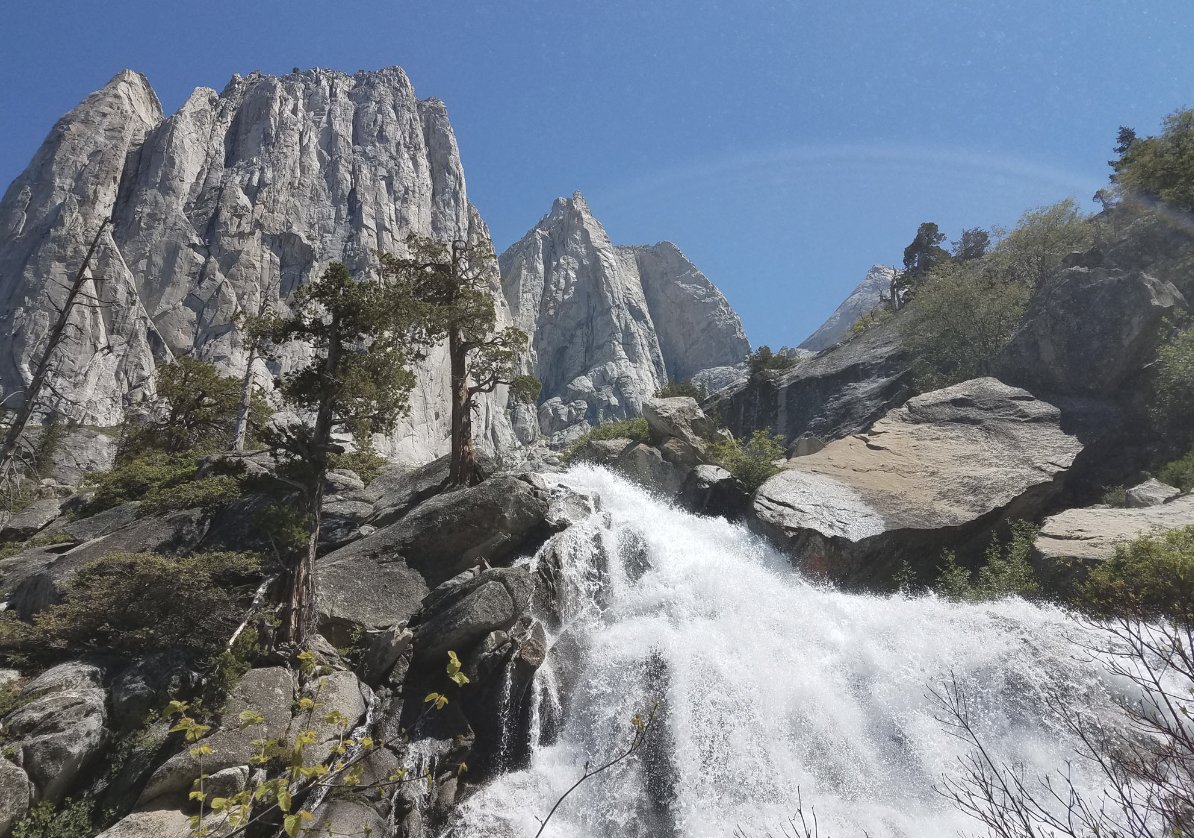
<point>231,202</point>
<point>926,475</point>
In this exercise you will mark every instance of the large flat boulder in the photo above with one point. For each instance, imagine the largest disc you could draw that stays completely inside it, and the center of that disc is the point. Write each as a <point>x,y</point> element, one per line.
<point>1080,537</point>
<point>928,475</point>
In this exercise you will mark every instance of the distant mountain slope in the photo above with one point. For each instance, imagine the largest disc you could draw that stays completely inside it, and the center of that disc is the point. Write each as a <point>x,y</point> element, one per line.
<point>862,300</point>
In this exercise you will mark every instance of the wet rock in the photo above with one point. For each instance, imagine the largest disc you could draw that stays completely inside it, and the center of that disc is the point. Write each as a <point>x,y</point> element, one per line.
<point>645,465</point>
<point>711,490</point>
<point>928,475</point>
<point>457,617</point>
<point>60,726</point>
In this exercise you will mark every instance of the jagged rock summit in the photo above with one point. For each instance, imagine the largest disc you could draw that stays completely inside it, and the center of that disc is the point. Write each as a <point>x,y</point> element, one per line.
<point>865,298</point>
<point>238,196</point>
<point>610,324</point>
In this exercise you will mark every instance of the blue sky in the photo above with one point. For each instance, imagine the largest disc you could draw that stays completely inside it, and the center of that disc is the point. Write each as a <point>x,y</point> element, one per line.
<point>784,146</point>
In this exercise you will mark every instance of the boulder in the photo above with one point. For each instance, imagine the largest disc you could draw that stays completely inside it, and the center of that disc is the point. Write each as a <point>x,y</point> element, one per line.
<point>397,490</point>
<point>1151,492</point>
<point>342,520</point>
<point>603,452</point>
<point>16,794</point>
<point>680,417</point>
<point>458,615</point>
<point>711,490</point>
<point>32,519</point>
<point>270,692</point>
<point>347,816</point>
<point>342,481</point>
<point>1077,537</point>
<point>928,475</point>
<point>1088,332</point>
<point>151,823</point>
<point>149,684</point>
<point>645,465</point>
<point>455,530</point>
<point>365,585</point>
<point>102,523</point>
<point>80,452</point>
<point>60,727</point>
<point>335,693</point>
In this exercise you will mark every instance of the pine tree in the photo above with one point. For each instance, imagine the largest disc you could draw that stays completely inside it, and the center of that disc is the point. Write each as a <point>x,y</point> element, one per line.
<point>358,380</point>
<point>454,286</point>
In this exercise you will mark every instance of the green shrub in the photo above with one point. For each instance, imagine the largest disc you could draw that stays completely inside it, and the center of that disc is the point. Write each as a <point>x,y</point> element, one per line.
<point>525,389</point>
<point>1116,496</point>
<point>871,319</point>
<point>69,819</point>
<point>682,388</point>
<point>1149,578</point>
<point>364,462</point>
<point>751,462</point>
<point>207,493</point>
<point>134,477</point>
<point>635,430</point>
<point>1179,473</point>
<point>1006,569</point>
<point>141,602</point>
<point>1173,386</point>
<point>763,360</point>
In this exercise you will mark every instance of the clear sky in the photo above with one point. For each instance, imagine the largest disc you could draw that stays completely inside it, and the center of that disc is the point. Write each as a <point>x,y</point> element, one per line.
<point>784,145</point>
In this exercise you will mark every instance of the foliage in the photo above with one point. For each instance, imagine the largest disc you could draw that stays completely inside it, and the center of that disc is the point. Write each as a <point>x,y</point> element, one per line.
<point>1180,472</point>
<point>135,476</point>
<point>1037,246</point>
<point>525,389</point>
<point>208,493</point>
<point>358,378</point>
<point>10,698</point>
<point>635,430</point>
<point>687,387</point>
<point>69,819</point>
<point>1115,496</point>
<point>452,288</point>
<point>973,244</point>
<point>959,322</point>
<point>1173,386</point>
<point>1005,571</point>
<point>194,411</point>
<point>362,461</point>
<point>921,257</point>
<point>752,461</point>
<point>1158,168</point>
<point>870,320</point>
<point>763,360</point>
<point>141,602</point>
<point>1148,578</point>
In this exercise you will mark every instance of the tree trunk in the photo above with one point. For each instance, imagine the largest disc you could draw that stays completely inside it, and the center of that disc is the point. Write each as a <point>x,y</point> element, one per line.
<point>463,469</point>
<point>300,604</point>
<point>13,436</point>
<point>246,403</point>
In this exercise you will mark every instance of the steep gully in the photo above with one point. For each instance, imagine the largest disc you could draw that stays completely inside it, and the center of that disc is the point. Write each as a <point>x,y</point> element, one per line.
<point>769,688</point>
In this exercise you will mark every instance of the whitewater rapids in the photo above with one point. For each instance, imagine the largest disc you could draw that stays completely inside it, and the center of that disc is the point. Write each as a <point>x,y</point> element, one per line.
<point>770,688</point>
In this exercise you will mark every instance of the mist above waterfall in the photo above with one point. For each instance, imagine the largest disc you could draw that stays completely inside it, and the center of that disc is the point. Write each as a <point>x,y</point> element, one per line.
<point>771,689</point>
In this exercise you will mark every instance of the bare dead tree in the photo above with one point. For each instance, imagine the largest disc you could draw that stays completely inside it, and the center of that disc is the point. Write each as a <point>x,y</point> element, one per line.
<point>40,380</point>
<point>1146,768</point>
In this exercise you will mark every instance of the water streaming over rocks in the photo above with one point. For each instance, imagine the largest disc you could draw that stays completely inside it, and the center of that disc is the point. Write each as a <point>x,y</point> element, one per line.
<point>769,687</point>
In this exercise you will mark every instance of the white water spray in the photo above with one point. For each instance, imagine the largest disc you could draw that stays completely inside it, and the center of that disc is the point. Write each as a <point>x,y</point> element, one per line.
<point>771,688</point>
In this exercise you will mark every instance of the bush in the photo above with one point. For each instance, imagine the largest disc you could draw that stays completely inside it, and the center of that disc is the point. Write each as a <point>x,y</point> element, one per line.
<point>207,493</point>
<point>870,320</point>
<point>751,462</point>
<point>364,462</point>
<point>763,360</point>
<point>635,430</point>
<point>1006,570</point>
<point>1116,496</point>
<point>682,388</point>
<point>142,602</point>
<point>525,389</point>
<point>1179,473</point>
<point>1173,386</point>
<point>134,477</point>
<point>70,819</point>
<point>1149,578</point>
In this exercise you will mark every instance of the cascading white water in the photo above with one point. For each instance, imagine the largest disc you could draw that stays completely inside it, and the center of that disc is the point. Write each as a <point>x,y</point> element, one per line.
<point>770,688</point>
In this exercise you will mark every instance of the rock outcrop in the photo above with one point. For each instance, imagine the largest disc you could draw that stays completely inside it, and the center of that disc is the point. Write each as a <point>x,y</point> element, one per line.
<point>611,325</point>
<point>836,393</point>
<point>868,296</point>
<point>928,475</point>
<point>233,201</point>
<point>1075,538</point>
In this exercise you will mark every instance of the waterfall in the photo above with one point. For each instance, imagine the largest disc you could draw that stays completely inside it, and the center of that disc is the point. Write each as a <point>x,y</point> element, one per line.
<point>770,688</point>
